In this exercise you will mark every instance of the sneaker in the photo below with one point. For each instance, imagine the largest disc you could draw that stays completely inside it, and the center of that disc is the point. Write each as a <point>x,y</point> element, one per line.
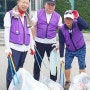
<point>67,85</point>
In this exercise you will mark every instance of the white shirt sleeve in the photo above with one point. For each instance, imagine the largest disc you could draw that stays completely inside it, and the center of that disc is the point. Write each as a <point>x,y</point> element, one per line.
<point>7,20</point>
<point>31,39</point>
<point>7,25</point>
<point>35,18</point>
<point>60,21</point>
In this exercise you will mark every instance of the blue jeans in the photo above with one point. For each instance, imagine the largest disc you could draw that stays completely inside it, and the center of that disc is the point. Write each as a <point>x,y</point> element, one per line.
<point>80,54</point>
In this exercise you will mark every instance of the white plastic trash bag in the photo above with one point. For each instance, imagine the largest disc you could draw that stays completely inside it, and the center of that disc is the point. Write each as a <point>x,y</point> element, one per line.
<point>27,82</point>
<point>80,82</point>
<point>52,85</point>
<point>54,59</point>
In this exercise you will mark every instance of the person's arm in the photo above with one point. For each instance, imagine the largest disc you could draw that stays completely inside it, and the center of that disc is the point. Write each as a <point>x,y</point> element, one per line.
<point>32,43</point>
<point>34,27</point>
<point>7,25</point>
<point>60,22</point>
<point>82,24</point>
<point>61,43</point>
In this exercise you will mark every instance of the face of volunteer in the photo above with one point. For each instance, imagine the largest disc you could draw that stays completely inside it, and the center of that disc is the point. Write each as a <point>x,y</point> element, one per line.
<point>68,18</point>
<point>49,7</point>
<point>23,5</point>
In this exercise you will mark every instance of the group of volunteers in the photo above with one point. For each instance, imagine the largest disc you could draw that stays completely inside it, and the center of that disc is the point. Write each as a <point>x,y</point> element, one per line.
<point>23,34</point>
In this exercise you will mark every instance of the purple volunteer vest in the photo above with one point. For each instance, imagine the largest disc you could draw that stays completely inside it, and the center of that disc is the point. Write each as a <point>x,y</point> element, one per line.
<point>19,34</point>
<point>45,30</point>
<point>77,41</point>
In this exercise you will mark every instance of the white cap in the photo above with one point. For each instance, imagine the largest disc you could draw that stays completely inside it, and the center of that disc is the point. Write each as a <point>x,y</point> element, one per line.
<point>69,14</point>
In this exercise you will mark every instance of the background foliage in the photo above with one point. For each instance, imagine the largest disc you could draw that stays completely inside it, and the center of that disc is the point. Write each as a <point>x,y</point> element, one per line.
<point>83,7</point>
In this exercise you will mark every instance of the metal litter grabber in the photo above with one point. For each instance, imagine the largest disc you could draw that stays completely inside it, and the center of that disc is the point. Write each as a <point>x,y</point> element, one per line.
<point>42,76</point>
<point>13,70</point>
<point>40,57</point>
<point>61,80</point>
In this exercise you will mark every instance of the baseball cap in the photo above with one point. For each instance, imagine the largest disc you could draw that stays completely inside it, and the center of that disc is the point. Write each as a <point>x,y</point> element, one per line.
<point>51,1</point>
<point>68,14</point>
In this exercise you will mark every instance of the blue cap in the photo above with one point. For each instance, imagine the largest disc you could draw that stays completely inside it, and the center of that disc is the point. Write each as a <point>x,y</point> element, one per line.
<point>51,1</point>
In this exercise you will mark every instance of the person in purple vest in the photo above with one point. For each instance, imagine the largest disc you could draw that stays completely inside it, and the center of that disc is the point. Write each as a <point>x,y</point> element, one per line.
<point>18,35</point>
<point>70,34</point>
<point>45,23</point>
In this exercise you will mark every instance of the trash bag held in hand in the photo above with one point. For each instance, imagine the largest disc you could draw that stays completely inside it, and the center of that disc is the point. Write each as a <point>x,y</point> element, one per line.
<point>27,82</point>
<point>54,60</point>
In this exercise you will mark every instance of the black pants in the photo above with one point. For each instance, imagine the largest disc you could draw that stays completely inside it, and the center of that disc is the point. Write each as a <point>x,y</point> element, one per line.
<point>42,48</point>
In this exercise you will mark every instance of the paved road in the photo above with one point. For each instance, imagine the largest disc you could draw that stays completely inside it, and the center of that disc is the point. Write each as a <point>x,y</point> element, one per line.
<point>29,65</point>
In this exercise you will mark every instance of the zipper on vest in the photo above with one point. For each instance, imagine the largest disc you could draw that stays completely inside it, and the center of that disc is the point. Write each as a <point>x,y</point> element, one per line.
<point>73,44</point>
<point>23,33</point>
<point>72,41</point>
<point>48,25</point>
<point>47,30</point>
<point>70,34</point>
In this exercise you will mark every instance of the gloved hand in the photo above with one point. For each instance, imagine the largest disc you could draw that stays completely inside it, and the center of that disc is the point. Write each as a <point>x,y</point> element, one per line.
<point>56,45</point>
<point>8,52</point>
<point>62,60</point>
<point>32,47</point>
<point>75,13</point>
<point>32,51</point>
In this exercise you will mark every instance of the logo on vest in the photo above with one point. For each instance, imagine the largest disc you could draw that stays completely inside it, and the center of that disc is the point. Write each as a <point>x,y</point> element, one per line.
<point>17,32</point>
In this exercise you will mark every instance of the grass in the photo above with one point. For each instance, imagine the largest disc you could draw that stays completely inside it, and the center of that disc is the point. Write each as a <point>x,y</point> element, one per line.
<point>86,31</point>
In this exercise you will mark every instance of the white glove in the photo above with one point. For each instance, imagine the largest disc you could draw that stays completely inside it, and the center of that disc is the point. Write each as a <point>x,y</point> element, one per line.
<point>62,60</point>
<point>8,52</point>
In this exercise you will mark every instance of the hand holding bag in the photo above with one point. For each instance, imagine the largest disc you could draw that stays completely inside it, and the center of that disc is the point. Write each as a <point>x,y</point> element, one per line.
<point>27,82</point>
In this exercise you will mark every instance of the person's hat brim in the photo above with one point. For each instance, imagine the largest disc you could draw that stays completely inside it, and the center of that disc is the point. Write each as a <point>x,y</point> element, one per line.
<point>51,1</point>
<point>69,16</point>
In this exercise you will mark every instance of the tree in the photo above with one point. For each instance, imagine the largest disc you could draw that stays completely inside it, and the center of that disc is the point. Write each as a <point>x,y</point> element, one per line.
<point>83,7</point>
<point>62,6</point>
